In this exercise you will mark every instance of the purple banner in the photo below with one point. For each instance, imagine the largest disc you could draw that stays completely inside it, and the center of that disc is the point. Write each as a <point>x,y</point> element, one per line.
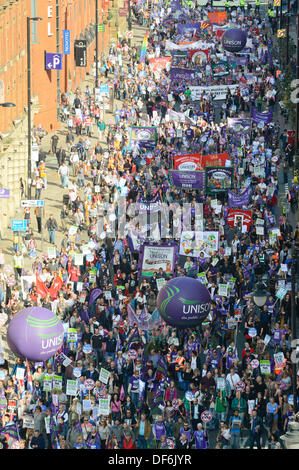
<point>152,205</point>
<point>187,179</point>
<point>239,127</point>
<point>188,28</point>
<point>181,74</point>
<point>266,118</point>
<point>239,200</point>
<point>239,60</point>
<point>145,136</point>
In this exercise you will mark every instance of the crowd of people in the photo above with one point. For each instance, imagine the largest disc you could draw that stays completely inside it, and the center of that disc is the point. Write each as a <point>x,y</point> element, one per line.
<point>124,379</point>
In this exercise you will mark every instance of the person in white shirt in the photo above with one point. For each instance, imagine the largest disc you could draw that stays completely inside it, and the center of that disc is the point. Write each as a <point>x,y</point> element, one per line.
<point>63,172</point>
<point>233,378</point>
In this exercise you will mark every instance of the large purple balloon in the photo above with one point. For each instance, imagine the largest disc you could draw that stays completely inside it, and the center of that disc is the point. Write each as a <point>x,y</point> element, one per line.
<point>184,302</point>
<point>234,40</point>
<point>35,333</point>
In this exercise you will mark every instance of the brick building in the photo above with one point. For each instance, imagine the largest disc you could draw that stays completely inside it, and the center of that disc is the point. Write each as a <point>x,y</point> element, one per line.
<point>13,78</point>
<point>77,16</point>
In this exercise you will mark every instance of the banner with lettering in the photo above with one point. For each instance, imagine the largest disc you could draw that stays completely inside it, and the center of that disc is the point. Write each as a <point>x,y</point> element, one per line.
<point>266,118</point>
<point>187,179</point>
<point>154,257</point>
<point>177,73</point>
<point>218,179</point>
<point>220,69</point>
<point>189,162</point>
<point>239,200</point>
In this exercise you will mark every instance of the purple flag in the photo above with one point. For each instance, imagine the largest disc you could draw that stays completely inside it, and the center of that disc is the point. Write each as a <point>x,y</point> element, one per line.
<point>152,205</point>
<point>4,193</point>
<point>94,295</point>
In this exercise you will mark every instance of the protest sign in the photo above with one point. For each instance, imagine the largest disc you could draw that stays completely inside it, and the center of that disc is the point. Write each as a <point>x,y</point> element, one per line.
<point>104,375</point>
<point>71,387</point>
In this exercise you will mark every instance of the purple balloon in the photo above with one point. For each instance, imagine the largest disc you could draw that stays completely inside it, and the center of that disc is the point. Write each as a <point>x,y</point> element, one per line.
<point>184,302</point>
<point>234,40</point>
<point>35,333</point>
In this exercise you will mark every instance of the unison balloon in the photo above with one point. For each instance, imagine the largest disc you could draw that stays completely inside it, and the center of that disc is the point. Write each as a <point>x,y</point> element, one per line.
<point>234,40</point>
<point>35,333</point>
<point>184,302</point>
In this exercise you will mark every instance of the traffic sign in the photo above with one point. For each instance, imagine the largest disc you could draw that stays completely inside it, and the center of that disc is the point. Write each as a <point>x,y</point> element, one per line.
<point>132,354</point>
<point>53,61</point>
<point>277,3</point>
<point>206,416</point>
<point>129,34</point>
<point>19,225</point>
<point>281,33</point>
<point>240,386</point>
<point>175,404</point>
<point>255,363</point>
<point>170,443</point>
<point>89,384</point>
<point>32,203</point>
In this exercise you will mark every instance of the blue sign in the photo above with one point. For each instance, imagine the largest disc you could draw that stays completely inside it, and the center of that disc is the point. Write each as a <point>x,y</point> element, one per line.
<point>104,88</point>
<point>19,225</point>
<point>40,203</point>
<point>53,61</point>
<point>252,332</point>
<point>4,193</point>
<point>66,41</point>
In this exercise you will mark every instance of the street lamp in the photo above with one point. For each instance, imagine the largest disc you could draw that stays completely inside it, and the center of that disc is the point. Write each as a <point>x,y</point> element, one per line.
<point>7,105</point>
<point>35,18</point>
<point>260,296</point>
<point>291,438</point>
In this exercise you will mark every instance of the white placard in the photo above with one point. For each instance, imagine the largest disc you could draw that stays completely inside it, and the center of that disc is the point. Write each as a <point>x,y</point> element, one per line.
<point>71,387</point>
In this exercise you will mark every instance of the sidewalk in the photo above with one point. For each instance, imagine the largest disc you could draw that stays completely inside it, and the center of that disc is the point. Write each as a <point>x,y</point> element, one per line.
<point>53,195</point>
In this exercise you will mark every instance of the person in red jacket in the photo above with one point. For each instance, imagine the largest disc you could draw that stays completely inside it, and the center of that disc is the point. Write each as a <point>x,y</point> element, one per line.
<point>128,442</point>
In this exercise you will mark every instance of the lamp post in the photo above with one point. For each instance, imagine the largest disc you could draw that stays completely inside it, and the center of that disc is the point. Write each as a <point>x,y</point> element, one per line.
<point>260,296</point>
<point>36,18</point>
<point>129,20</point>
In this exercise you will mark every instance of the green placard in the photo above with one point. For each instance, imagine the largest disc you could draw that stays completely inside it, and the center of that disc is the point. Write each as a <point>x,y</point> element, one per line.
<point>101,28</point>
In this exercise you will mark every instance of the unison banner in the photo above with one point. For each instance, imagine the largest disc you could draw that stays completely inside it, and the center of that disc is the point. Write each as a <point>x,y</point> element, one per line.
<point>187,179</point>
<point>158,64</point>
<point>154,257</point>
<point>153,205</point>
<point>218,179</point>
<point>145,136</point>
<point>177,73</point>
<point>194,243</point>
<point>196,161</point>
<point>219,91</point>
<point>239,200</point>
<point>189,162</point>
